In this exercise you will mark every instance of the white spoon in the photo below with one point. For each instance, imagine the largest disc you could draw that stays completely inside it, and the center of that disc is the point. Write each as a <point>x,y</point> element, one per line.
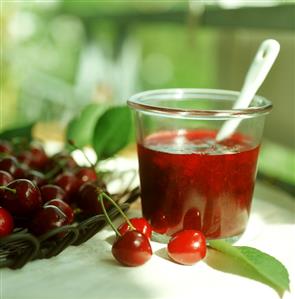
<point>264,59</point>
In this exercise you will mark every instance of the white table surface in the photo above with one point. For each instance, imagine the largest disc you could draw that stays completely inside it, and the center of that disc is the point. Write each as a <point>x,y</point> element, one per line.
<point>90,272</point>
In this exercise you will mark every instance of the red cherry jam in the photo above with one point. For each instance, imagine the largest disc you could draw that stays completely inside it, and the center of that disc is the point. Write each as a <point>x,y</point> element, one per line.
<point>192,182</point>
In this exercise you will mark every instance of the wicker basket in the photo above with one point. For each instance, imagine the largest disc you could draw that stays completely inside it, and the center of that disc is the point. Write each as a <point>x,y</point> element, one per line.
<point>21,246</point>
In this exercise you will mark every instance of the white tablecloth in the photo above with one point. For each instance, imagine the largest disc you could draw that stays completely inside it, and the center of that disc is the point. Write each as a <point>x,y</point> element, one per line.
<point>90,272</point>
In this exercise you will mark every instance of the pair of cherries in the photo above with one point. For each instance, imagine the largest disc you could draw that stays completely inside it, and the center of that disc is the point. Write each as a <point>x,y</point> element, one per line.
<point>132,246</point>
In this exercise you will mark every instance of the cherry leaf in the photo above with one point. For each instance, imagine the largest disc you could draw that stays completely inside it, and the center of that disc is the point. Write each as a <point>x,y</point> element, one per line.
<point>112,131</point>
<point>80,129</point>
<point>249,262</point>
<point>24,132</point>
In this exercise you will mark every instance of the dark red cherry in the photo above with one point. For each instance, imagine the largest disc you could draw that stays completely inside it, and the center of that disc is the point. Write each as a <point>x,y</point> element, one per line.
<point>49,192</point>
<point>24,201</point>
<point>64,159</point>
<point>60,162</point>
<point>86,174</point>
<point>9,164</point>
<point>187,247</point>
<point>21,171</point>
<point>46,219</point>
<point>140,224</point>
<point>24,157</point>
<point>39,158</point>
<point>132,249</point>
<point>64,207</point>
<point>6,223</point>
<point>87,199</point>
<point>37,177</point>
<point>5,147</point>
<point>5,178</point>
<point>69,183</point>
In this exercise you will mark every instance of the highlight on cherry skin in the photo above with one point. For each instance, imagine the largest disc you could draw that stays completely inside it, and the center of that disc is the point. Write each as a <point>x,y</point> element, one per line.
<point>132,249</point>
<point>187,247</point>
<point>6,223</point>
<point>140,224</point>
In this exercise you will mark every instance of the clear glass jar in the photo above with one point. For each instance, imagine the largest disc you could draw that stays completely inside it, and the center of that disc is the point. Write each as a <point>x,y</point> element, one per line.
<point>188,179</point>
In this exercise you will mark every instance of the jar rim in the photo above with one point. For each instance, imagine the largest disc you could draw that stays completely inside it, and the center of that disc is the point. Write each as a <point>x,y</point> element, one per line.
<point>139,102</point>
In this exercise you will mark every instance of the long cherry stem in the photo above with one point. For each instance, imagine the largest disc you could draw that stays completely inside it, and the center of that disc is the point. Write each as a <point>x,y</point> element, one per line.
<point>119,209</point>
<point>107,216</point>
<point>54,171</point>
<point>8,189</point>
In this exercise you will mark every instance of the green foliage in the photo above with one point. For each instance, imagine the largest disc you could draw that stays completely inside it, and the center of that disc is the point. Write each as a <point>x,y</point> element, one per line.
<point>251,263</point>
<point>112,131</point>
<point>282,163</point>
<point>81,127</point>
<point>24,132</point>
<point>162,67</point>
<point>107,130</point>
<point>244,261</point>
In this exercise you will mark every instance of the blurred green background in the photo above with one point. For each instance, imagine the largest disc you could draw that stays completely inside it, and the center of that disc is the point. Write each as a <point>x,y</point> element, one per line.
<point>58,56</point>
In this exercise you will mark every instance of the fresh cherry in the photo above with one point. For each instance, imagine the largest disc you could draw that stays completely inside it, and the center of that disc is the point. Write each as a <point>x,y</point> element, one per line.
<point>64,207</point>
<point>86,174</point>
<point>64,159</point>
<point>21,197</point>
<point>140,224</point>
<point>187,247</point>
<point>24,157</point>
<point>39,158</point>
<point>21,171</point>
<point>132,249</point>
<point>46,219</point>
<point>69,183</point>
<point>5,147</point>
<point>37,177</point>
<point>49,192</point>
<point>6,223</point>
<point>5,178</point>
<point>87,198</point>
<point>9,164</point>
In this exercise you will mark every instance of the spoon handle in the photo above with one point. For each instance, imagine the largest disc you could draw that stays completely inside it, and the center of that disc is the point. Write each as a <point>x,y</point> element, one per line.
<point>262,63</point>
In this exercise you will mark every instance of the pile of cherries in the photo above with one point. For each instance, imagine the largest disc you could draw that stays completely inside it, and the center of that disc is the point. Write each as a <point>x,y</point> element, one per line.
<point>40,193</point>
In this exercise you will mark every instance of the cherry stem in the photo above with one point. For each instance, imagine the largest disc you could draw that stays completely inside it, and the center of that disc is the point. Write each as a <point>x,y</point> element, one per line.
<point>107,216</point>
<point>8,189</point>
<point>54,171</point>
<point>73,144</point>
<point>119,209</point>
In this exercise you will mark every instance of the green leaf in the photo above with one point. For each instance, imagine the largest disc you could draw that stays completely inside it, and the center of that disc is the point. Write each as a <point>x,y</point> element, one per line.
<point>80,129</point>
<point>24,132</point>
<point>249,262</point>
<point>112,131</point>
<point>160,238</point>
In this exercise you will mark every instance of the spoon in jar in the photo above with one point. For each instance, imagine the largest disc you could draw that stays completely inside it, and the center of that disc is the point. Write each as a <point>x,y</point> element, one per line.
<point>262,63</point>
